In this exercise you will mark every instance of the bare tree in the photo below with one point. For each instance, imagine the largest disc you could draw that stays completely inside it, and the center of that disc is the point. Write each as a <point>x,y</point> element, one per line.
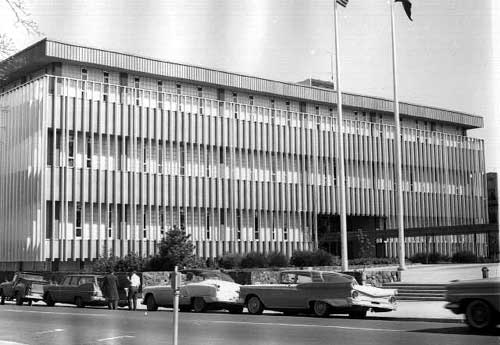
<point>23,19</point>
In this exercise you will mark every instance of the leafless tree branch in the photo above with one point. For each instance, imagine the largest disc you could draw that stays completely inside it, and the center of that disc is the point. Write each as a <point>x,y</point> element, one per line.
<point>23,18</point>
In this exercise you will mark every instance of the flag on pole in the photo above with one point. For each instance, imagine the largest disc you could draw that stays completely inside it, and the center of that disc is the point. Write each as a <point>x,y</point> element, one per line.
<point>406,5</point>
<point>342,3</point>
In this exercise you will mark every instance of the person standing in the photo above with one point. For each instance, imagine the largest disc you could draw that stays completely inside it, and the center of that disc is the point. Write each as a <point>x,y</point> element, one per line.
<point>110,289</point>
<point>134,284</point>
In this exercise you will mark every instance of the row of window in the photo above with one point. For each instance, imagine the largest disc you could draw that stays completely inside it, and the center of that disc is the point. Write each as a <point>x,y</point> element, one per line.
<point>53,212</point>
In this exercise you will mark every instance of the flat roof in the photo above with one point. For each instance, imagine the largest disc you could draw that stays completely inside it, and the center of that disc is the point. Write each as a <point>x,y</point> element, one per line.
<point>47,51</point>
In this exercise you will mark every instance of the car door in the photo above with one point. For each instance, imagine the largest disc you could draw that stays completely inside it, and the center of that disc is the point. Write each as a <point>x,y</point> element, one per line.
<point>283,295</point>
<point>68,290</point>
<point>56,291</point>
<point>84,288</point>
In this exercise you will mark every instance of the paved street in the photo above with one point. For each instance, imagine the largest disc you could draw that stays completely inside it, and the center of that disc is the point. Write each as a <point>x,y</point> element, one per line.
<point>38,325</point>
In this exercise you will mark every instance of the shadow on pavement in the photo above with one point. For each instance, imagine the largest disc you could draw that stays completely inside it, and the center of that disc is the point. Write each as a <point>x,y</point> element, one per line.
<point>463,330</point>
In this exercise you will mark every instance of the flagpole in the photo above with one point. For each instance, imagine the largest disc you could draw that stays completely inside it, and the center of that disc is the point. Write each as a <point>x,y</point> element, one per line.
<point>399,184</point>
<point>340,145</point>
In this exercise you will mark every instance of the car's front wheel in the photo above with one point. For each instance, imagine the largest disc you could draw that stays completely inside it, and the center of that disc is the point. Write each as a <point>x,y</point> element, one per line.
<point>479,315</point>
<point>151,303</point>
<point>321,309</point>
<point>199,305</point>
<point>255,306</point>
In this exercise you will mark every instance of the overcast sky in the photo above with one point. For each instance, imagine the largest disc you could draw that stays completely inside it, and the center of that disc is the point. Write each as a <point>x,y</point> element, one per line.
<point>447,57</point>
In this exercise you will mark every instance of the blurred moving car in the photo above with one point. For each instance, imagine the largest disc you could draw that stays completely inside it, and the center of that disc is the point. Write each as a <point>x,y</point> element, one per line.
<point>478,299</point>
<point>80,290</point>
<point>24,287</point>
<point>200,290</point>
<point>320,292</point>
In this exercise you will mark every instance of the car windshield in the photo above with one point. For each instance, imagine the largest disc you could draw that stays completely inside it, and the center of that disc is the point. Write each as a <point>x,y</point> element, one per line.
<point>217,276</point>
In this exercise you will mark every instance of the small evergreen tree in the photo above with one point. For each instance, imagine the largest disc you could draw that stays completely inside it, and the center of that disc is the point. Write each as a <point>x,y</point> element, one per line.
<point>174,249</point>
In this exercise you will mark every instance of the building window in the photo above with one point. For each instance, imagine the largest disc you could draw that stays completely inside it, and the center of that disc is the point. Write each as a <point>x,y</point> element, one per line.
<point>89,152</point>
<point>182,162</point>
<point>287,106</point>
<point>85,75</point>
<point>144,156</point>
<point>78,220</point>
<point>200,92</point>
<point>235,97</point>
<point>105,86</point>
<point>250,98</point>
<point>316,109</point>
<point>137,82</point>
<point>302,107</point>
<point>162,223</point>
<point>160,159</point>
<point>207,226</point>
<point>182,219</point>
<point>71,150</point>
<point>221,155</point>
<point>110,220</point>
<point>238,225</point>
<point>222,216</point>
<point>285,233</point>
<point>178,88</point>
<point>144,227</point>
<point>256,228</point>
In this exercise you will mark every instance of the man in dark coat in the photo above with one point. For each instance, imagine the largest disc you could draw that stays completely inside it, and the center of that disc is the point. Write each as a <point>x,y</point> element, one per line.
<point>110,289</point>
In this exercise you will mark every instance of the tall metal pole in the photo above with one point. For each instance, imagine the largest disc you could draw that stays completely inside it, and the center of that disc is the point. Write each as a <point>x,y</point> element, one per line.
<point>340,145</point>
<point>399,184</point>
<point>176,306</point>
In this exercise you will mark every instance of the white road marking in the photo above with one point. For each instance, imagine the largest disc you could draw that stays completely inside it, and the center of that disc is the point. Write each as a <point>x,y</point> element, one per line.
<point>51,331</point>
<point>304,325</point>
<point>5,342</point>
<point>118,337</point>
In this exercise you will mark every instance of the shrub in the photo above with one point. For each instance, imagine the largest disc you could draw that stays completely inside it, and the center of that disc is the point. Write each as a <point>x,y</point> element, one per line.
<point>277,260</point>
<point>312,258</point>
<point>464,257</point>
<point>373,261</point>
<point>253,260</point>
<point>429,258</point>
<point>131,261</point>
<point>230,260</point>
<point>323,258</point>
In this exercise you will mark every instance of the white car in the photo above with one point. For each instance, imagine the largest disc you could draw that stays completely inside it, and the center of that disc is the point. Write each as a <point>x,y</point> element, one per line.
<point>201,290</point>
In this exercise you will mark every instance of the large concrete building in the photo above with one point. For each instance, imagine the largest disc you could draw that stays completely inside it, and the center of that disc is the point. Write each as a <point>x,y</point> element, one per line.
<point>102,152</point>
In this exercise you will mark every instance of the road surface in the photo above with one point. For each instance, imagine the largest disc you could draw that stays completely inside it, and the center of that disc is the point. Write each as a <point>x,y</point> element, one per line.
<point>39,325</point>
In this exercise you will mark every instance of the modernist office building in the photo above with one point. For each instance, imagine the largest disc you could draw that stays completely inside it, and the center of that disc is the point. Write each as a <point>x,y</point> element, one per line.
<point>104,152</point>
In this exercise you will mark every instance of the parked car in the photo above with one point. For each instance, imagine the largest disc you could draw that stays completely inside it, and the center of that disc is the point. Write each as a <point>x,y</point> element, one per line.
<point>320,292</point>
<point>81,290</point>
<point>200,290</point>
<point>24,287</point>
<point>478,299</point>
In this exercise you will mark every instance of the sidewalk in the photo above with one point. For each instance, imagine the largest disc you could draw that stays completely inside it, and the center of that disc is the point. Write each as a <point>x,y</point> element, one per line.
<point>445,273</point>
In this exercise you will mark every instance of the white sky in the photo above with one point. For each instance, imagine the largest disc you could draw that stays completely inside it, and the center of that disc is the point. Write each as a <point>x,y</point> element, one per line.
<point>446,57</point>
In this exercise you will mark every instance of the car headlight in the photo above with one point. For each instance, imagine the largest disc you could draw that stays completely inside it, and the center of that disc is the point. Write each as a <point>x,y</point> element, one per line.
<point>355,294</point>
<point>392,300</point>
